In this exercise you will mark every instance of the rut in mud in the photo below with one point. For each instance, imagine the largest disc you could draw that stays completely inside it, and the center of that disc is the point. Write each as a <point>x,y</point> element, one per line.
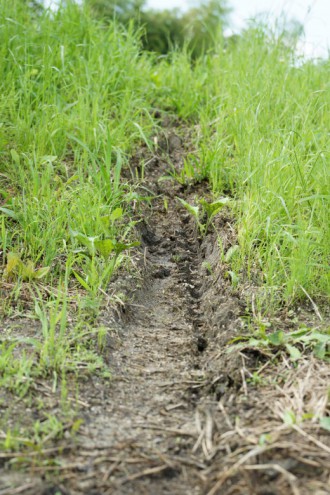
<point>151,429</point>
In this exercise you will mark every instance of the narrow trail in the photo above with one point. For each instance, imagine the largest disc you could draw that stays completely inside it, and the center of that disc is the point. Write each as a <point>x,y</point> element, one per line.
<point>149,424</point>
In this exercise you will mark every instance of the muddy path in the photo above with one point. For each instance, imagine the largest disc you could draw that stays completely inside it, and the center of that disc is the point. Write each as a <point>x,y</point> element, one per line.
<point>149,430</point>
<point>181,415</point>
<point>150,437</point>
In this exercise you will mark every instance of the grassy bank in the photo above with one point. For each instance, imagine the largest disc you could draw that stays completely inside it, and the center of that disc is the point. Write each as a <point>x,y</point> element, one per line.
<point>262,135</point>
<point>77,100</point>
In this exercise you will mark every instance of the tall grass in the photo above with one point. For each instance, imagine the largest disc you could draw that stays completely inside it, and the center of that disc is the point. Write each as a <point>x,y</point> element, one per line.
<point>74,102</point>
<point>263,137</point>
<point>73,98</point>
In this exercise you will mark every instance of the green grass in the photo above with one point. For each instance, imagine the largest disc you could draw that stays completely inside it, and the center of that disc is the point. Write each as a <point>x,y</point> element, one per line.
<point>73,98</point>
<point>263,137</point>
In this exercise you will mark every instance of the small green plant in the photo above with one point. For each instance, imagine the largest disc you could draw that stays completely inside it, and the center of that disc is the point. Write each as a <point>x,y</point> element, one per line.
<point>189,173</point>
<point>65,348</point>
<point>293,343</point>
<point>104,247</point>
<point>98,261</point>
<point>53,347</point>
<point>37,437</point>
<point>256,379</point>
<point>210,210</point>
<point>16,373</point>
<point>194,211</point>
<point>102,333</point>
<point>16,268</point>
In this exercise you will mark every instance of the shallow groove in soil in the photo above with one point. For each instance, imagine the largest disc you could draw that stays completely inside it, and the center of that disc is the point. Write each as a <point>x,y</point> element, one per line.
<point>150,426</point>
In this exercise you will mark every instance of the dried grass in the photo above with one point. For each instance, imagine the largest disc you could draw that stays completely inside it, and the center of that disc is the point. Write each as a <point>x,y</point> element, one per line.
<point>280,443</point>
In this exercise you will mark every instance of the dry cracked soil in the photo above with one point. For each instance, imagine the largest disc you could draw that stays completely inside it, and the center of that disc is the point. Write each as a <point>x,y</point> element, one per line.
<point>180,415</point>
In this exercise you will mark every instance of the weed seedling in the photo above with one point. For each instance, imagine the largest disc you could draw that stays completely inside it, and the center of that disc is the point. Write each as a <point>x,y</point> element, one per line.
<point>210,210</point>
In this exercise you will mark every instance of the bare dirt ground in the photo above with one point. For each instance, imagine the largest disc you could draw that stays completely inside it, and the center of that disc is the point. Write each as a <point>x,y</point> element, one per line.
<point>181,415</point>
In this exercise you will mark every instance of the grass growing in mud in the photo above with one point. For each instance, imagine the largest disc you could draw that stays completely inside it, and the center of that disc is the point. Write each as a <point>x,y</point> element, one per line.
<point>76,101</point>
